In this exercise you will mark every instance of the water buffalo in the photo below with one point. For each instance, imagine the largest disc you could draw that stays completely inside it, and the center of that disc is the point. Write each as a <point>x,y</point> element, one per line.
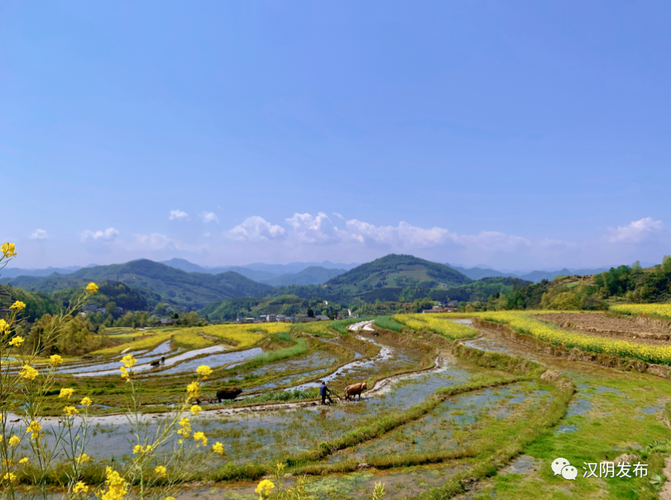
<point>154,364</point>
<point>228,394</point>
<point>354,389</point>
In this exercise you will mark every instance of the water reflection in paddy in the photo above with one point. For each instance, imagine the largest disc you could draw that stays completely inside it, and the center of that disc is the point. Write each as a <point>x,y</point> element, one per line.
<point>214,360</point>
<point>155,353</point>
<point>263,436</point>
<point>168,362</point>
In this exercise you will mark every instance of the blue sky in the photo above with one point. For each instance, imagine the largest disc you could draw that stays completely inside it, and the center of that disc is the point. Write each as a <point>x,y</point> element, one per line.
<point>512,134</point>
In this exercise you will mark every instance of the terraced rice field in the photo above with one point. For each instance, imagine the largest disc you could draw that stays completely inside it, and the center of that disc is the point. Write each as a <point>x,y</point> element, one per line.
<point>471,407</point>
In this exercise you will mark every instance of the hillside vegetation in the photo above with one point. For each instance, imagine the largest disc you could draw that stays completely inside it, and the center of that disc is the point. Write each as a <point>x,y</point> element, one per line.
<point>313,275</point>
<point>157,282</point>
<point>592,292</point>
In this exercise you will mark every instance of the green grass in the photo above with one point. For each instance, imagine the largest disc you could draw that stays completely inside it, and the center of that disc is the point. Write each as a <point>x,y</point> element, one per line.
<point>270,357</point>
<point>389,323</point>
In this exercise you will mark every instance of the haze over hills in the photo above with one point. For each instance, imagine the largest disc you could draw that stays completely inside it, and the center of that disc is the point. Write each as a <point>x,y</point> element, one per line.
<point>478,273</point>
<point>313,275</point>
<point>174,286</point>
<point>13,272</point>
<point>272,274</point>
<point>391,278</point>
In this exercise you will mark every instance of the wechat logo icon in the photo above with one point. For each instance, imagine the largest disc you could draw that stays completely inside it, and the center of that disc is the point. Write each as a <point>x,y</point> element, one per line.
<point>563,467</point>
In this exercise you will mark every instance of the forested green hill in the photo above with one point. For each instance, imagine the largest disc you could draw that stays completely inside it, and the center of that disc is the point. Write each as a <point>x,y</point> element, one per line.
<point>187,290</point>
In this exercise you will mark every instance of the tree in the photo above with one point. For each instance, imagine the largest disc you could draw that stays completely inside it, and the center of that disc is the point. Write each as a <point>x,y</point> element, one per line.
<point>311,313</point>
<point>565,301</point>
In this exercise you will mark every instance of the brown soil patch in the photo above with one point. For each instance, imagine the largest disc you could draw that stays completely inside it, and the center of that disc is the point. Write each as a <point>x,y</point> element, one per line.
<point>602,325</point>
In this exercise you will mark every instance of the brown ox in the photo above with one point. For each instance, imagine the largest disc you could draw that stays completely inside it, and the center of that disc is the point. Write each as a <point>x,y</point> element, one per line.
<point>354,389</point>
<point>228,394</point>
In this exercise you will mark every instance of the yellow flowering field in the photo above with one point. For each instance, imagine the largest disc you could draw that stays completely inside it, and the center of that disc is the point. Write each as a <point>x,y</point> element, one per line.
<point>439,325</point>
<point>523,322</point>
<point>242,335</point>
<point>142,342</point>
<point>659,310</point>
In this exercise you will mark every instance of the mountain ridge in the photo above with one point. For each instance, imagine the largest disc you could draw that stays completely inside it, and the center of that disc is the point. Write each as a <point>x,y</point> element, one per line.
<point>174,286</point>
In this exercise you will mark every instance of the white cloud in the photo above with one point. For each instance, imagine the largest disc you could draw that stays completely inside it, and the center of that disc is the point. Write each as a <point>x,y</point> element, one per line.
<point>178,215</point>
<point>209,217</point>
<point>319,229</point>
<point>403,235</point>
<point>256,228</point>
<point>636,231</point>
<point>39,234</point>
<point>108,234</point>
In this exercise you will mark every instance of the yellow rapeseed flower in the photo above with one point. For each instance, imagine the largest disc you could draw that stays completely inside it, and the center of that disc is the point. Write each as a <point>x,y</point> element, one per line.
<point>80,487</point>
<point>115,484</point>
<point>24,460</point>
<point>200,436</point>
<point>70,411</point>
<point>56,360</point>
<point>10,476</point>
<point>128,361</point>
<point>82,459</point>
<point>16,341</point>
<point>18,306</point>
<point>204,371</point>
<point>92,288</point>
<point>14,441</point>
<point>86,401</point>
<point>160,470</point>
<point>4,326</point>
<point>124,374</point>
<point>169,498</point>
<point>34,428</point>
<point>195,410</point>
<point>9,250</point>
<point>193,389</point>
<point>141,449</point>
<point>264,487</point>
<point>66,393</point>
<point>218,448</point>
<point>185,425</point>
<point>28,372</point>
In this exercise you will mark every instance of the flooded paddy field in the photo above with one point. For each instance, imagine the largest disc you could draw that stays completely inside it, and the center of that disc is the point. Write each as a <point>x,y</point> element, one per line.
<point>485,420</point>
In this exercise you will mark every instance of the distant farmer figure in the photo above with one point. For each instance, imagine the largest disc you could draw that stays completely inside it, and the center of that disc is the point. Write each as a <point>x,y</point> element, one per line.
<point>324,393</point>
<point>162,360</point>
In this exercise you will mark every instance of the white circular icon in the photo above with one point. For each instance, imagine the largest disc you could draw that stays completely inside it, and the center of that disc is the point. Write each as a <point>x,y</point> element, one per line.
<point>569,472</point>
<point>559,464</point>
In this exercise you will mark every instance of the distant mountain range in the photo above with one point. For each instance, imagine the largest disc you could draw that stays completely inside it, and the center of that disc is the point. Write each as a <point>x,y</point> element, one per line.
<point>294,273</point>
<point>189,286</point>
<point>478,273</point>
<point>13,272</point>
<point>173,286</point>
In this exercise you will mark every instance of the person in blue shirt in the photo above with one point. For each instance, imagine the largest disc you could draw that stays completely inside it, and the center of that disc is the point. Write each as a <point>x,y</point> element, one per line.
<point>324,393</point>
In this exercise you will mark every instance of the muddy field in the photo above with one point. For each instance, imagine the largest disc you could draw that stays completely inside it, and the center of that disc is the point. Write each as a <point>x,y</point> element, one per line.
<point>636,329</point>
